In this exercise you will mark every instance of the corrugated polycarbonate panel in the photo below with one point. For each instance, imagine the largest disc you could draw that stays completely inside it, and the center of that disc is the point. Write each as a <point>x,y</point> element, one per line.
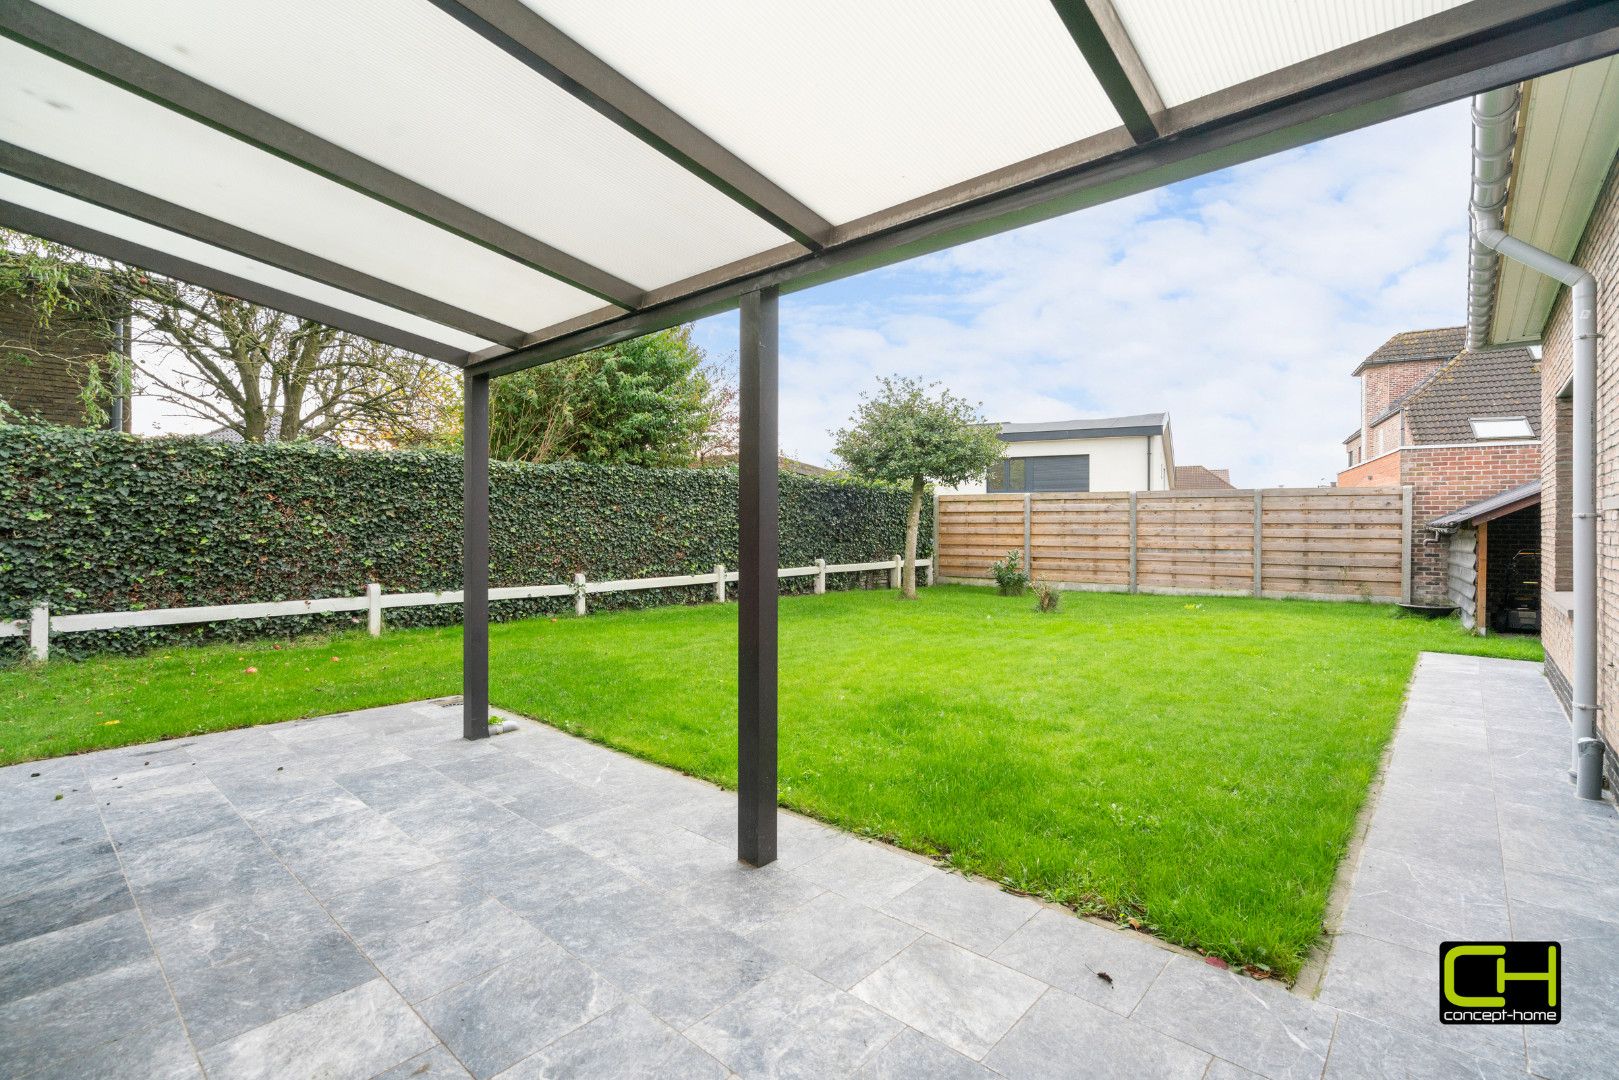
<point>405,86</point>
<point>1195,49</point>
<point>73,117</point>
<point>127,228</point>
<point>855,106</point>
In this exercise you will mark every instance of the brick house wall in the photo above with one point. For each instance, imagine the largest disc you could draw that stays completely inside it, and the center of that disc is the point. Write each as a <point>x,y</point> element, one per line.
<point>1385,436</point>
<point>1386,383</point>
<point>1598,252</point>
<point>45,387</point>
<point>1447,478</point>
<point>1380,472</point>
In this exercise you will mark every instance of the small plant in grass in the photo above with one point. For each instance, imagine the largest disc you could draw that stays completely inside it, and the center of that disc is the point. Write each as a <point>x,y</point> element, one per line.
<point>1046,596</point>
<point>1010,577</point>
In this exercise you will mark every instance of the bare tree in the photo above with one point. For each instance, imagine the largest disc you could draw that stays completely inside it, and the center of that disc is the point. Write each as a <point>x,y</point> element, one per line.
<point>265,375</point>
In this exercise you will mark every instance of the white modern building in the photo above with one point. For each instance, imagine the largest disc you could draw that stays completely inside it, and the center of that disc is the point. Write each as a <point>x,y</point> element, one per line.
<point>1115,453</point>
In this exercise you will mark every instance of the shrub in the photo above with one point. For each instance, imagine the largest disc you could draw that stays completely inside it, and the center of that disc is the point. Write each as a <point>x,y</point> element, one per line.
<point>1046,596</point>
<point>98,521</point>
<point>1010,577</point>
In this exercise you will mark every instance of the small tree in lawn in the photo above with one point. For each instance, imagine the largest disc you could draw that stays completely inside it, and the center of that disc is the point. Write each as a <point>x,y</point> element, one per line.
<point>914,432</point>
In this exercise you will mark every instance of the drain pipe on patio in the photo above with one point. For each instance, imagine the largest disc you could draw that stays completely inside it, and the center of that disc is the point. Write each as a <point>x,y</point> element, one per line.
<point>1494,121</point>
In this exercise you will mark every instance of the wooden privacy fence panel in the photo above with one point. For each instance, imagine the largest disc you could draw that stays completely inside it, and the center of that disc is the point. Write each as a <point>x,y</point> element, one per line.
<point>1320,543</point>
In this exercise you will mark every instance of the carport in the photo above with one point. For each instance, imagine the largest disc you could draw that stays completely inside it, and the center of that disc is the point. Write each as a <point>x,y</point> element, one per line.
<point>499,184</point>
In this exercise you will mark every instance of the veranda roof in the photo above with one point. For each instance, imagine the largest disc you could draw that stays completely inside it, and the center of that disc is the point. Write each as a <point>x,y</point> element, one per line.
<point>500,182</point>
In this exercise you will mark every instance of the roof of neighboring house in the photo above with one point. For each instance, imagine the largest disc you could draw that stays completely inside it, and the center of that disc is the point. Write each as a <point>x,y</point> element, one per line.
<point>1197,477</point>
<point>785,463</point>
<point>1498,505</point>
<point>1352,436</point>
<point>1095,428</point>
<point>1440,344</point>
<point>1496,383</point>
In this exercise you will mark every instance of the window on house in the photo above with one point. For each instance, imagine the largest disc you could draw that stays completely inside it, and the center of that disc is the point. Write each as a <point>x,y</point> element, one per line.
<point>1501,427</point>
<point>1068,472</point>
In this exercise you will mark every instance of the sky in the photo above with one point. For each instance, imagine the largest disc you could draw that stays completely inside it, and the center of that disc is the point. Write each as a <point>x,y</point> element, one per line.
<point>1237,302</point>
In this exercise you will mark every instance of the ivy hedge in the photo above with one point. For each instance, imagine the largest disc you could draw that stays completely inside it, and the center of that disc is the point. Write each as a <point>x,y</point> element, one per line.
<point>98,521</point>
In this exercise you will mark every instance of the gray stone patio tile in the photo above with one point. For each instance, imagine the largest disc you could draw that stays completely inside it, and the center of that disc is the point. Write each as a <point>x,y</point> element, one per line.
<point>437,1064</point>
<point>494,1021</point>
<point>911,1055</point>
<point>262,921</point>
<point>349,851</point>
<point>423,959</point>
<point>1062,1030</point>
<point>974,914</point>
<point>346,753</point>
<point>160,1052</point>
<point>625,1043</point>
<point>793,1025</point>
<point>1418,903</point>
<point>686,969</point>
<point>1364,1050</point>
<point>868,873</point>
<point>1399,988</point>
<point>285,819</point>
<point>386,788</point>
<point>956,996</point>
<point>457,820</point>
<point>546,802</point>
<point>358,1033</point>
<point>835,938</point>
<point>1589,1030</point>
<point>1224,1070</point>
<point>1073,954</point>
<point>743,898</point>
<point>637,842</point>
<point>155,816</point>
<point>258,787</point>
<point>1592,897</point>
<point>372,913</point>
<point>36,964</point>
<point>63,903</point>
<point>712,813</point>
<point>57,867</point>
<point>607,914</point>
<point>221,1001</point>
<point>50,1029</point>
<point>26,843</point>
<point>201,871</point>
<point>1580,845</point>
<point>1257,1025</point>
<point>487,774</point>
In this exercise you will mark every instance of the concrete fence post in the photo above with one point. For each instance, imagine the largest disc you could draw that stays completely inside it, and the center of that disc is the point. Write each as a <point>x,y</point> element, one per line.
<point>896,576</point>
<point>1259,534</point>
<point>579,594</point>
<point>39,632</point>
<point>820,577</point>
<point>373,609</point>
<point>719,583</point>
<point>931,564</point>
<point>1132,541</point>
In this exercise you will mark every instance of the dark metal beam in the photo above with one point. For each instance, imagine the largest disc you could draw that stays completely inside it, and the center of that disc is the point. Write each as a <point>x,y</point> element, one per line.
<point>759,532</point>
<point>58,230</point>
<point>523,34</point>
<point>46,172</point>
<point>1471,56</point>
<point>47,32</point>
<point>1106,46</point>
<point>475,560</point>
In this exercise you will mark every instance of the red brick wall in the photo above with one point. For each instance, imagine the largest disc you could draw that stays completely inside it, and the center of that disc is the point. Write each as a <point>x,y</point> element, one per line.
<point>43,387</point>
<point>1446,478</point>
<point>1599,253</point>
<point>1379,473</point>
<point>1384,383</point>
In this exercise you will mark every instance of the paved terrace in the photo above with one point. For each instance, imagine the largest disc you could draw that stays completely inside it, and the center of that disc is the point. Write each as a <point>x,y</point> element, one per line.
<point>367,895</point>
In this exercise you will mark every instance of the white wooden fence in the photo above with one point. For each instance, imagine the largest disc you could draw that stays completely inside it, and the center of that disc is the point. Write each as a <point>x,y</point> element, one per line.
<point>41,624</point>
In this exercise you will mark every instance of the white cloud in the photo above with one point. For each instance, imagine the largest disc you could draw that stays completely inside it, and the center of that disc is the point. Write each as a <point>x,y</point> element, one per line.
<point>1239,302</point>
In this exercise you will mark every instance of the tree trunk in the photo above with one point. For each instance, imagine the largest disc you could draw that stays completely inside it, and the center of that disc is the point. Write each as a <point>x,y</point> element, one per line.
<point>913,523</point>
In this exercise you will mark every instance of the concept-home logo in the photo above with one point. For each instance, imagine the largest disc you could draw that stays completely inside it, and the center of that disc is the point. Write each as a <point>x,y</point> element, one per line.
<point>1500,982</point>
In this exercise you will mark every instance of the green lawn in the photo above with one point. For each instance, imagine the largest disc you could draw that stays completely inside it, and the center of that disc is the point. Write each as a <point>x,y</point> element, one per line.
<point>1194,764</point>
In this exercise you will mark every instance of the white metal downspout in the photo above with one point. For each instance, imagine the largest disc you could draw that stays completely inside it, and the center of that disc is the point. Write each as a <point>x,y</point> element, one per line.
<point>1494,115</point>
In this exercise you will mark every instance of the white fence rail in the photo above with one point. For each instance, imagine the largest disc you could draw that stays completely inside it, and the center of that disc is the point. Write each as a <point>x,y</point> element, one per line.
<point>41,624</point>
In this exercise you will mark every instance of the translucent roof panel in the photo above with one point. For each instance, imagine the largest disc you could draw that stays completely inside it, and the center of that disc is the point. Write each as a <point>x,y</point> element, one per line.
<point>1194,49</point>
<point>855,106</point>
<point>72,117</point>
<point>406,86</point>
<point>139,232</point>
